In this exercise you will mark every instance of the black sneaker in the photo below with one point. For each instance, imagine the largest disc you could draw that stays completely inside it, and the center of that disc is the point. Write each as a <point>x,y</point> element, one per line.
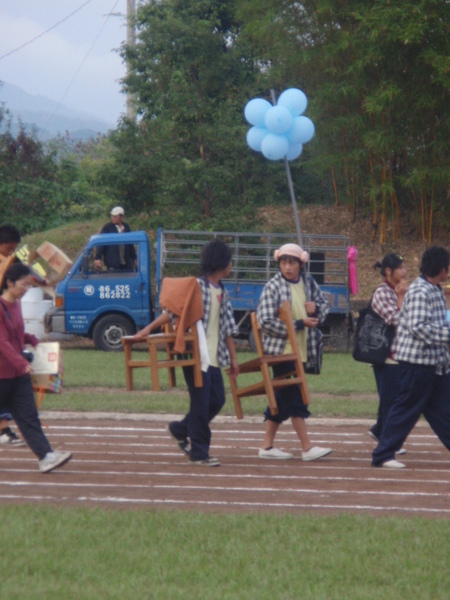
<point>182,444</point>
<point>12,439</point>
<point>206,462</point>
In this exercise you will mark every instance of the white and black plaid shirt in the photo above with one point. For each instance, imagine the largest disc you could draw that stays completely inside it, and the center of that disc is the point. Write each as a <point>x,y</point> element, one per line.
<point>227,325</point>
<point>423,334</point>
<point>385,303</point>
<point>275,292</point>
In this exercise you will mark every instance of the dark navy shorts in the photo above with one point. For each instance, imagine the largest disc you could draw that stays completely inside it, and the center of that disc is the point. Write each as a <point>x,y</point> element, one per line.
<point>289,399</point>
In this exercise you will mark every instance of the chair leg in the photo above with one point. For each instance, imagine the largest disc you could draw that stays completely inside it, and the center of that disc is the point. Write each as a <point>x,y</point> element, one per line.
<point>128,369</point>
<point>269,389</point>
<point>154,367</point>
<point>236,399</point>
<point>198,377</point>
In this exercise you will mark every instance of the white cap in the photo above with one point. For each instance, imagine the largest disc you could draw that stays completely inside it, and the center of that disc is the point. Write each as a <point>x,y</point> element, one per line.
<point>116,211</point>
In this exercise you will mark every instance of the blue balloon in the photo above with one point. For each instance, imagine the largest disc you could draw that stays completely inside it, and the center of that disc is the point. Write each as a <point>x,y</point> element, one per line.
<point>294,100</point>
<point>278,119</point>
<point>302,131</point>
<point>294,151</point>
<point>255,111</point>
<point>274,146</point>
<point>255,136</point>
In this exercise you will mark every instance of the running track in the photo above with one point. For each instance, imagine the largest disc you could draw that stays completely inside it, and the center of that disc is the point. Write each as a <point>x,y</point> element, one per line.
<point>129,461</point>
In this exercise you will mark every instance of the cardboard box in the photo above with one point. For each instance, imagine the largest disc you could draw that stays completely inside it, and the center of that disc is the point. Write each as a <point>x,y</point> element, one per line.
<point>48,368</point>
<point>46,359</point>
<point>55,258</point>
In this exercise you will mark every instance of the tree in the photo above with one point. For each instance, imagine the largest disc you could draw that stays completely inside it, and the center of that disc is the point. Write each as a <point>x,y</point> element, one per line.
<point>377,75</point>
<point>191,74</point>
<point>42,186</point>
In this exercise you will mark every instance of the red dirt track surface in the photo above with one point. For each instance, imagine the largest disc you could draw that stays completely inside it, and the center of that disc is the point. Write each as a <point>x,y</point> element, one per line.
<point>130,462</point>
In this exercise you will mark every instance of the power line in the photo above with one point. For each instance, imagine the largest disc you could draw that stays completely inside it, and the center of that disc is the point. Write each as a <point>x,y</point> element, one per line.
<point>46,31</point>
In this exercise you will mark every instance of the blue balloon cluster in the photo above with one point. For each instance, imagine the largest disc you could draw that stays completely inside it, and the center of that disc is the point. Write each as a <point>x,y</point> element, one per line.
<point>279,131</point>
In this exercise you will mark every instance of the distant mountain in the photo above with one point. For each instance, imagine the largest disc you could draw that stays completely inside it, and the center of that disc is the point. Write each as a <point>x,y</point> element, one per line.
<point>47,117</point>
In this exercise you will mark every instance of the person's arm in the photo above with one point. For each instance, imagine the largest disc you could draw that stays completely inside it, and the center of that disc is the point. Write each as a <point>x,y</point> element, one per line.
<point>156,324</point>
<point>9,352</point>
<point>421,322</point>
<point>100,250</point>
<point>267,312</point>
<point>321,304</point>
<point>31,339</point>
<point>384,303</point>
<point>310,322</point>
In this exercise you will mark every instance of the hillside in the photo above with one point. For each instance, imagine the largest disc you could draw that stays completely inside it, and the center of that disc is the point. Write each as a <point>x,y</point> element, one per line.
<point>313,219</point>
<point>47,117</point>
<point>339,221</point>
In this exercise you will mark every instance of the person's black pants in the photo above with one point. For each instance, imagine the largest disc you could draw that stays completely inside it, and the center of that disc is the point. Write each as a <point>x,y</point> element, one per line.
<point>17,396</point>
<point>421,392</point>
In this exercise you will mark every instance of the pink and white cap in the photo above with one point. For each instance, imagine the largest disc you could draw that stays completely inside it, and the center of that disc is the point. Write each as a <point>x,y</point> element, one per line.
<point>291,250</point>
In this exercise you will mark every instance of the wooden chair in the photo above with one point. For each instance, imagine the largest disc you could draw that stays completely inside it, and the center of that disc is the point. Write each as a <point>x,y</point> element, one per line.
<point>262,364</point>
<point>191,357</point>
<point>130,363</point>
<point>167,341</point>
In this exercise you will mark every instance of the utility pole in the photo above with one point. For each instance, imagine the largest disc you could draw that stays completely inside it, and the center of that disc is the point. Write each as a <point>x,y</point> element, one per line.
<point>131,41</point>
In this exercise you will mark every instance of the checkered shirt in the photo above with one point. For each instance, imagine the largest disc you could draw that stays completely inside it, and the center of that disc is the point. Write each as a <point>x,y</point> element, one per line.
<point>423,331</point>
<point>384,303</point>
<point>275,292</point>
<point>227,325</point>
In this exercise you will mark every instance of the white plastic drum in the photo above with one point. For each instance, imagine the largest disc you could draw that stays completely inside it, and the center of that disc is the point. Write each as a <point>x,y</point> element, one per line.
<point>34,308</point>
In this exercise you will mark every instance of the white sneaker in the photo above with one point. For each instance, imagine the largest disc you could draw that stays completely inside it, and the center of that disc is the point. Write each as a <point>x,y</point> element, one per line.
<point>11,438</point>
<point>53,460</point>
<point>401,451</point>
<point>275,454</point>
<point>393,464</point>
<point>315,452</point>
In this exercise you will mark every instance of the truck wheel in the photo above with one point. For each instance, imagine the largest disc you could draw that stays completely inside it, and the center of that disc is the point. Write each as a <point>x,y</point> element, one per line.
<point>108,331</point>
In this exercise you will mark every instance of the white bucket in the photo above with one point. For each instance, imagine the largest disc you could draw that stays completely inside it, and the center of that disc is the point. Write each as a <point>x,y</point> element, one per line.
<point>34,308</point>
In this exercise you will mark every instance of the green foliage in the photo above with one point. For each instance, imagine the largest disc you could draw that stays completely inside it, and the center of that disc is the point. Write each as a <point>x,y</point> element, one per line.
<point>187,160</point>
<point>377,77</point>
<point>45,186</point>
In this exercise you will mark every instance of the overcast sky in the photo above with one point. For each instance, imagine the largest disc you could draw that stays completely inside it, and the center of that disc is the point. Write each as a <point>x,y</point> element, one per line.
<point>75,62</point>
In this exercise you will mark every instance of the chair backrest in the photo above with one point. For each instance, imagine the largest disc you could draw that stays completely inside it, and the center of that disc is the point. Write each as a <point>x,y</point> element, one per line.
<point>257,332</point>
<point>286,316</point>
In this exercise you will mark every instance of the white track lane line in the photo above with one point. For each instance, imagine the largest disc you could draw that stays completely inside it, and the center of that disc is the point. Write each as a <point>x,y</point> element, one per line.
<point>246,476</point>
<point>221,503</point>
<point>223,489</point>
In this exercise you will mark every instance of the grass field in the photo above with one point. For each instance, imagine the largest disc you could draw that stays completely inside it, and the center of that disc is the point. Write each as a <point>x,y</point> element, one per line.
<point>95,381</point>
<point>59,553</point>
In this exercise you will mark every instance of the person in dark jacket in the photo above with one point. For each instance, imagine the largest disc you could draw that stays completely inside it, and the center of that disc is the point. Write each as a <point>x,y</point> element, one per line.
<point>118,256</point>
<point>423,352</point>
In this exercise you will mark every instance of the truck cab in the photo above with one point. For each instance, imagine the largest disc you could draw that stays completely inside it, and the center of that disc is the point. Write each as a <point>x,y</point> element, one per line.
<point>104,304</point>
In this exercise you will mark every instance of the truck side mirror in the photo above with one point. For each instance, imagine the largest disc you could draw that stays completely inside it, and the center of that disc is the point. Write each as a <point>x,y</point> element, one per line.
<point>85,264</point>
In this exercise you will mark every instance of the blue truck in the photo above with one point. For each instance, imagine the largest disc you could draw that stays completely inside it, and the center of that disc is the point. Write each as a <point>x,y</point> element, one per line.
<point>105,305</point>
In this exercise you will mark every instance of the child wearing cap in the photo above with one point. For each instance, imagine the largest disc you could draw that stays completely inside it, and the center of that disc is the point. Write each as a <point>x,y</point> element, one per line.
<point>309,308</point>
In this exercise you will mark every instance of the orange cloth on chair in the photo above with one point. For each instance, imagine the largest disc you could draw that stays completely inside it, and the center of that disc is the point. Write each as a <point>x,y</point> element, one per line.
<point>183,297</point>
